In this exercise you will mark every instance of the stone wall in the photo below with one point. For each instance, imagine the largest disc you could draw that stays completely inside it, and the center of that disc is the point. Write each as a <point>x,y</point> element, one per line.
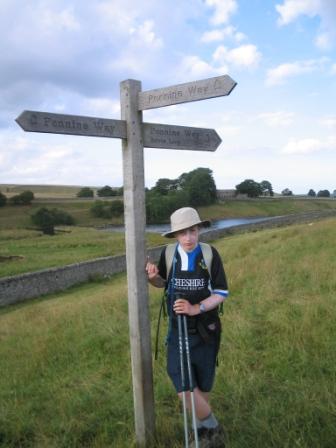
<point>18,288</point>
<point>26,286</point>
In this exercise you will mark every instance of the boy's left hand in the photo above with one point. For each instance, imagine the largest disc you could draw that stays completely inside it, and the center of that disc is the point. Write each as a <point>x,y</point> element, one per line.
<point>182,306</point>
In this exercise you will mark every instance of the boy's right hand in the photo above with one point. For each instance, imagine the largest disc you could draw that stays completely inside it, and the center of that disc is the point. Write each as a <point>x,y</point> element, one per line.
<point>152,270</point>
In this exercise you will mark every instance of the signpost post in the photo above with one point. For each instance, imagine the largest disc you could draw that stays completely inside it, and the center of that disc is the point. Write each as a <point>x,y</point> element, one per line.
<point>135,135</point>
<point>135,221</point>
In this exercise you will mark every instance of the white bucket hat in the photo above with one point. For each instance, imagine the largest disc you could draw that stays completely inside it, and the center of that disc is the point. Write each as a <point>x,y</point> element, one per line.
<point>183,218</point>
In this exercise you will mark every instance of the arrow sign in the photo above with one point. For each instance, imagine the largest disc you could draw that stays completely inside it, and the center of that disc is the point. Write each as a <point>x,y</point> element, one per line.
<point>179,137</point>
<point>32,121</point>
<point>185,93</point>
<point>154,135</point>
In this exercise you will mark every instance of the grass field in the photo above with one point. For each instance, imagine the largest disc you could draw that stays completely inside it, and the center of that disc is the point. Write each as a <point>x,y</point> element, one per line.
<point>29,250</point>
<point>65,364</point>
<point>18,217</point>
<point>266,207</point>
<point>24,250</point>
<point>43,191</point>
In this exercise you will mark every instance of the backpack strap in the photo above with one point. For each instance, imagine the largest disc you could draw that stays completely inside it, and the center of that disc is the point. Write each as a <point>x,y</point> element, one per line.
<point>207,255</point>
<point>170,252</point>
<point>169,256</point>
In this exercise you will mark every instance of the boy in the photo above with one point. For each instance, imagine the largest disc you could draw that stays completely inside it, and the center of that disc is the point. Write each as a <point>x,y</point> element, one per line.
<point>195,292</point>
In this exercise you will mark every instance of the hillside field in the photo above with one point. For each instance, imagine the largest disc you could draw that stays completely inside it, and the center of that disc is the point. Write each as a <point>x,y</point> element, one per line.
<point>44,191</point>
<point>65,362</point>
<point>23,249</point>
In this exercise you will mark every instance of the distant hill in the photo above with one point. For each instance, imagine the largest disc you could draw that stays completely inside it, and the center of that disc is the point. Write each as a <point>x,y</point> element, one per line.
<point>44,191</point>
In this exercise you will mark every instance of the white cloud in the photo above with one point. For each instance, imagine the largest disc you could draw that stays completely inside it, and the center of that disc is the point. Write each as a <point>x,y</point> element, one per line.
<point>277,119</point>
<point>64,20</point>
<point>102,107</point>
<point>333,69</point>
<point>194,66</point>
<point>213,36</point>
<point>224,9</point>
<point>144,32</point>
<point>308,145</point>
<point>323,41</point>
<point>54,152</point>
<point>221,34</point>
<point>246,56</point>
<point>228,130</point>
<point>291,10</point>
<point>329,122</point>
<point>115,17</point>
<point>282,72</point>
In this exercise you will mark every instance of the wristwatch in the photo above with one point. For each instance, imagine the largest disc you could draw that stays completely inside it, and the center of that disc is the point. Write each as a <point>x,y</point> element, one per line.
<point>202,308</point>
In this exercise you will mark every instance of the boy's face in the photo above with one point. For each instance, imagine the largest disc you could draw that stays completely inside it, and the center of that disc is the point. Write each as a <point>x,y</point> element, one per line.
<point>188,238</point>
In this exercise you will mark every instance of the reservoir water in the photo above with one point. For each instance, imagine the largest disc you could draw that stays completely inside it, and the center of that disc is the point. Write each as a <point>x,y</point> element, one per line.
<point>219,224</point>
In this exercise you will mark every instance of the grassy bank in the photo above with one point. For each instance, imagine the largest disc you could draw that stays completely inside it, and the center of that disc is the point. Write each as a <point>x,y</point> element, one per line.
<point>66,382</point>
<point>18,217</point>
<point>28,250</point>
<point>265,207</point>
<point>43,191</point>
<point>23,250</point>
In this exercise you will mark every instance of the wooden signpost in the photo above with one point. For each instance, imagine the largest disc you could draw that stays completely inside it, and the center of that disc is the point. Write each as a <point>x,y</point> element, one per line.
<point>135,136</point>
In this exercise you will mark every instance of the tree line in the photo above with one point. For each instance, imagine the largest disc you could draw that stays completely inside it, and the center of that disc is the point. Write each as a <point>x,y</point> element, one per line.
<point>104,192</point>
<point>24,198</point>
<point>195,188</point>
<point>255,189</point>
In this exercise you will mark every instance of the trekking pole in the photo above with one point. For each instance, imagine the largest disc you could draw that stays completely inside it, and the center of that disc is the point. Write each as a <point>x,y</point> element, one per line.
<point>185,416</point>
<point>191,385</point>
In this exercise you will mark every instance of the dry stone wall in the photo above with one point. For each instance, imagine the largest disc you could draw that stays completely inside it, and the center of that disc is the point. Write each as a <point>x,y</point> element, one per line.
<point>19,288</point>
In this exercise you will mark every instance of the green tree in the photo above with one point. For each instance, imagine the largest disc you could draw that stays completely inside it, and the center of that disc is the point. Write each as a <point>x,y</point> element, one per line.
<point>287,192</point>
<point>311,193</point>
<point>85,192</point>
<point>195,188</point>
<point>46,219</point>
<point>24,198</point>
<point>323,194</point>
<point>117,208</point>
<point>106,192</point>
<point>3,200</point>
<point>249,187</point>
<point>164,185</point>
<point>120,191</point>
<point>61,217</point>
<point>200,186</point>
<point>101,209</point>
<point>266,188</point>
<point>160,207</point>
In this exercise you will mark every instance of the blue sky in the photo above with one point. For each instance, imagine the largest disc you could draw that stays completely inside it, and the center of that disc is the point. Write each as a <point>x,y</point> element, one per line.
<point>278,124</point>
